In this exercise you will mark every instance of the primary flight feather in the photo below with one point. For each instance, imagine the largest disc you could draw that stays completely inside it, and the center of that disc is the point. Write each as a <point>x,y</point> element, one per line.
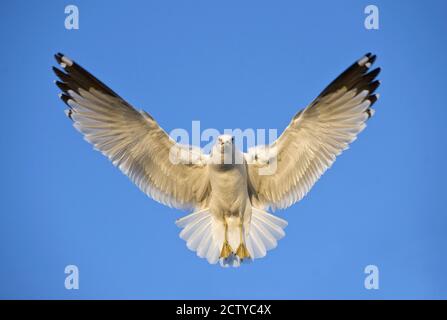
<point>228,190</point>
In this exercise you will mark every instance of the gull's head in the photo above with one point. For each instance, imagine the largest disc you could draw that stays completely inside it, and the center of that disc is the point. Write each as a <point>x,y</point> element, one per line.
<point>225,152</point>
<point>225,140</point>
<point>224,144</point>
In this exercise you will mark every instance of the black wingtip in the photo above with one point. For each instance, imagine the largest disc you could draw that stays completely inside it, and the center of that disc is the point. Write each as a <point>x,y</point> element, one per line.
<point>62,86</point>
<point>366,61</point>
<point>59,73</point>
<point>69,114</point>
<point>373,98</point>
<point>65,99</point>
<point>374,73</point>
<point>55,70</point>
<point>58,56</point>
<point>373,86</point>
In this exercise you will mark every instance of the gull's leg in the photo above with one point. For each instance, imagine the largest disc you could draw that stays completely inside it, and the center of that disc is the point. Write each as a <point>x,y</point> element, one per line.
<point>226,248</point>
<point>242,251</point>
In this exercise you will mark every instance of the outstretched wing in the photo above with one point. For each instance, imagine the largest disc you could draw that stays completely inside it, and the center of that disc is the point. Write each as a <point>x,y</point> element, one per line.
<point>313,139</point>
<point>172,174</point>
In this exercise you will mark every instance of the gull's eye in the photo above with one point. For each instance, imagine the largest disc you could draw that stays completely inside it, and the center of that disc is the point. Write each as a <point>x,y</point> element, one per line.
<point>232,139</point>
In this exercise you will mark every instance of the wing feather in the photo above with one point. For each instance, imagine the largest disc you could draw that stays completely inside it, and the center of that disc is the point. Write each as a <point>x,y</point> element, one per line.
<point>133,140</point>
<point>314,138</point>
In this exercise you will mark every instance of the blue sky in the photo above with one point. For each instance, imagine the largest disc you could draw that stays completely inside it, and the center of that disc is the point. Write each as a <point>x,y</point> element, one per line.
<point>229,64</point>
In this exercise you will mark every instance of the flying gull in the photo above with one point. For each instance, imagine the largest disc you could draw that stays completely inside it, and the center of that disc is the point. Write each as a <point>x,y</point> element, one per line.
<point>229,192</point>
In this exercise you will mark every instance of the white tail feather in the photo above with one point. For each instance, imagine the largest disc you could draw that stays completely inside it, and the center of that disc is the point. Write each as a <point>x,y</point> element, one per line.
<point>204,235</point>
<point>264,232</point>
<point>198,234</point>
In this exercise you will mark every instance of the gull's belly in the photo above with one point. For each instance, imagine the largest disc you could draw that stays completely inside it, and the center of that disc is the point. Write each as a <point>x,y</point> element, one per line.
<point>229,195</point>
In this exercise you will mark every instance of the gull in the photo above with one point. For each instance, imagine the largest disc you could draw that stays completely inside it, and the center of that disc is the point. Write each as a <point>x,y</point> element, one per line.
<point>229,192</point>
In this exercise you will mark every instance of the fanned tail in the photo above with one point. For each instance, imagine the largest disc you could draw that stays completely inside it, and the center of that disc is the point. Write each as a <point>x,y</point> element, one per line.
<point>198,234</point>
<point>264,232</point>
<point>205,235</point>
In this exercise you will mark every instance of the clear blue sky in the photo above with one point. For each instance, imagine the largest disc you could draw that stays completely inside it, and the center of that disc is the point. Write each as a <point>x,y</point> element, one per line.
<point>382,203</point>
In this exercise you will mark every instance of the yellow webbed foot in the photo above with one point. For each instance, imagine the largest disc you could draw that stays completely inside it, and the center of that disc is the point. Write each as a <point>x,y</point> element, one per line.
<point>226,250</point>
<point>242,251</point>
